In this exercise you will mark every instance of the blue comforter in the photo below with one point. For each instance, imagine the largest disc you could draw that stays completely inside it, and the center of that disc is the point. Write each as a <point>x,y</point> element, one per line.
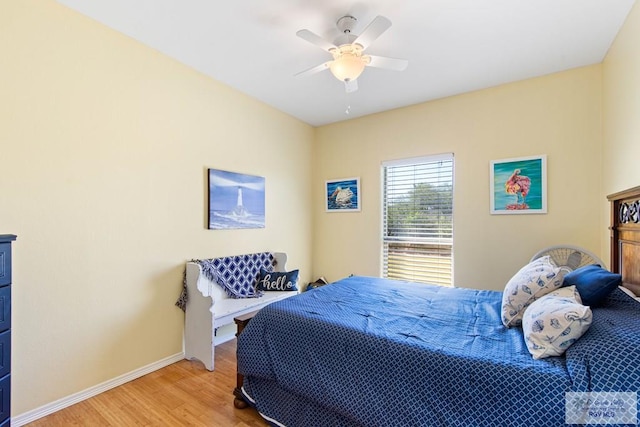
<point>372,352</point>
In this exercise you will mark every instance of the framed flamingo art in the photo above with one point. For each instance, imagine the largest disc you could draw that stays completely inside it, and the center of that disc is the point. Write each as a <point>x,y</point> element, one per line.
<point>519,186</point>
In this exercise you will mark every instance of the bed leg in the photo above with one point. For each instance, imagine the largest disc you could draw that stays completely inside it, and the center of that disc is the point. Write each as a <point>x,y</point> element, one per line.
<point>238,401</point>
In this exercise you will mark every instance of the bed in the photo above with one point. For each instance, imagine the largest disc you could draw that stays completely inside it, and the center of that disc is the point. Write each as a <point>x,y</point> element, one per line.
<point>373,352</point>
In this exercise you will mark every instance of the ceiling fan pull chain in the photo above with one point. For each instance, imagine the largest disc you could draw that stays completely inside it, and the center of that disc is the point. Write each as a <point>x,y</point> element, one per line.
<point>348,102</point>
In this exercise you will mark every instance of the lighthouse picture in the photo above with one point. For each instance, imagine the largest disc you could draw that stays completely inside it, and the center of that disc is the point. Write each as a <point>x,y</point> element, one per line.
<point>235,200</point>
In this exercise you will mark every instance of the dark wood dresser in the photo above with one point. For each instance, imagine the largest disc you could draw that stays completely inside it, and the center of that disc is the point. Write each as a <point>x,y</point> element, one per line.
<point>5,328</point>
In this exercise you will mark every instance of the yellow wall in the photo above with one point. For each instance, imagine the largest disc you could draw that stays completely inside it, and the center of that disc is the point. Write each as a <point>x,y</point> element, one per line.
<point>557,115</point>
<point>104,146</point>
<point>621,123</point>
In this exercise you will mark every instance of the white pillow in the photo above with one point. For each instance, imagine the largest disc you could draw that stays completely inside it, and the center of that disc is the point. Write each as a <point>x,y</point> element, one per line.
<point>554,322</point>
<point>570,292</point>
<point>534,280</point>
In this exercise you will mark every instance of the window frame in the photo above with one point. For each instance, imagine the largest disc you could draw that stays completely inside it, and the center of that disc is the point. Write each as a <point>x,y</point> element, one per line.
<point>428,244</point>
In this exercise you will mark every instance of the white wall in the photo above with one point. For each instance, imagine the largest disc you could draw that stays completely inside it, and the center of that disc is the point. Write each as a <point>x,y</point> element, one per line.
<point>104,147</point>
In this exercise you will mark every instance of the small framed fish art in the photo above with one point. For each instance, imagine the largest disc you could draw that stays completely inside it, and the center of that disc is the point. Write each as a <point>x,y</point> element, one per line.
<point>342,195</point>
<point>519,186</point>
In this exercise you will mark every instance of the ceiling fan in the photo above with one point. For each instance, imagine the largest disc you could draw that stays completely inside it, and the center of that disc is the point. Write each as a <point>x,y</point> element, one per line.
<point>348,49</point>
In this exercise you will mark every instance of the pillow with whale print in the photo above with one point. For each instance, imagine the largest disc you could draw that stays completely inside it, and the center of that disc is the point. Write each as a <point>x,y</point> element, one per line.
<point>534,280</point>
<point>277,281</point>
<point>554,322</point>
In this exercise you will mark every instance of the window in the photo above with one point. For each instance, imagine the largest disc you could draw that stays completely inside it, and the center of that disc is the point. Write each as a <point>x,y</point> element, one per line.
<point>417,219</point>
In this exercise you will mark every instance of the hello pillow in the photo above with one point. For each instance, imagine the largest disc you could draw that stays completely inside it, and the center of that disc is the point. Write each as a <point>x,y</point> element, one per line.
<point>276,281</point>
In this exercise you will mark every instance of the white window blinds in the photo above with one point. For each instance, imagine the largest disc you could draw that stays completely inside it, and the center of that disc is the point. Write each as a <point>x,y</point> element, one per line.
<point>417,219</point>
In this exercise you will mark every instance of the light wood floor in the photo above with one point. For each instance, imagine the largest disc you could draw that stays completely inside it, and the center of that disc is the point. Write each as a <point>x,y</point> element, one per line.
<point>182,394</point>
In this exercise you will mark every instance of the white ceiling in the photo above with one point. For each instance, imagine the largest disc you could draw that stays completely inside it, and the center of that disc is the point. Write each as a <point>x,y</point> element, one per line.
<point>453,46</point>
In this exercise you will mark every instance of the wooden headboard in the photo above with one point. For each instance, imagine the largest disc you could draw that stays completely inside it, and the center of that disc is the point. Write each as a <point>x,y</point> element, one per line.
<point>625,236</point>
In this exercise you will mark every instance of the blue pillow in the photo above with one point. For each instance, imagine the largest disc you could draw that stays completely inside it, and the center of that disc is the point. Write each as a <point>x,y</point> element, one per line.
<point>593,283</point>
<point>275,281</point>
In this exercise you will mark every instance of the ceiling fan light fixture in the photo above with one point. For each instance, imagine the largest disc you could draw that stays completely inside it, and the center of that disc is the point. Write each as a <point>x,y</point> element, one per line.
<point>348,62</point>
<point>347,67</point>
<point>347,51</point>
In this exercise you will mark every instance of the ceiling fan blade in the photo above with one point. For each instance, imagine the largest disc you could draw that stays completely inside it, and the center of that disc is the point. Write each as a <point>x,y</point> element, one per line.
<point>315,39</point>
<point>351,86</point>
<point>379,25</point>
<point>388,63</point>
<point>314,70</point>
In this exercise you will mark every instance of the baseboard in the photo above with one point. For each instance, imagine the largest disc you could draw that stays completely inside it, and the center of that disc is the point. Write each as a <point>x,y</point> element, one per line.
<point>59,404</point>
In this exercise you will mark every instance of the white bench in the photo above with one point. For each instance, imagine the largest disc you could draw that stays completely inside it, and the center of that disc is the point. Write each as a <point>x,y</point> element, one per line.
<point>209,307</point>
